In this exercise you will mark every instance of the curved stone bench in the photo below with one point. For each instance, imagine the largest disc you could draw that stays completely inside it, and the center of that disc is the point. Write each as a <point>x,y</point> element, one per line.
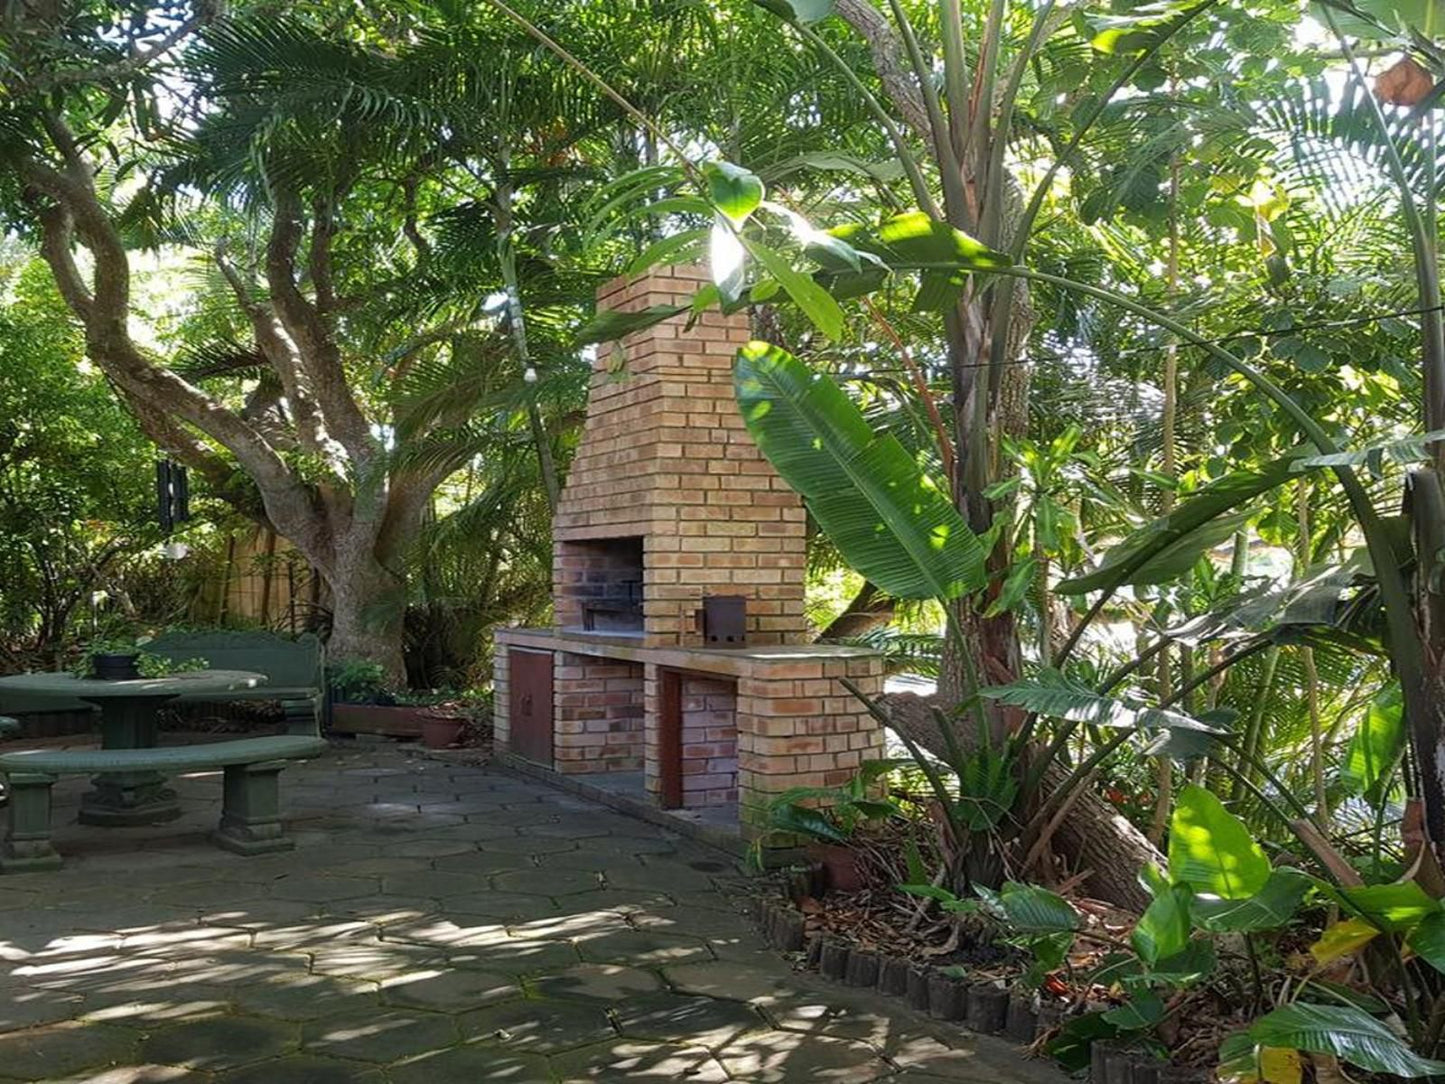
<point>250,807</point>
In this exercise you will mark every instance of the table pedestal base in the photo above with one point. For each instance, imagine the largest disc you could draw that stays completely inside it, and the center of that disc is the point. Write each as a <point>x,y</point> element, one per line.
<point>128,799</point>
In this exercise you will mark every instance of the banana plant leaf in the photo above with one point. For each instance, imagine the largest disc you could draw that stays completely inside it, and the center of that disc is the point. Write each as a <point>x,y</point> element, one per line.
<point>1212,851</point>
<point>1169,546</point>
<point>1347,1033</point>
<point>1404,450</point>
<point>1268,909</point>
<point>889,520</point>
<point>1377,746</point>
<point>1052,694</point>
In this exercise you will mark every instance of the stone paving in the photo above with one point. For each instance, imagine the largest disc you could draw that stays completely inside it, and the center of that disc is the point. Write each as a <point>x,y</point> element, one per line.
<point>436,923</point>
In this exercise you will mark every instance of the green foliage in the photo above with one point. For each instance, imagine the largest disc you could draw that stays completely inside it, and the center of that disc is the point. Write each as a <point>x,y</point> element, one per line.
<point>890,520</point>
<point>1345,1032</point>
<point>1170,546</point>
<point>833,814</point>
<point>1377,746</point>
<point>356,681</point>
<point>147,664</point>
<point>1163,930</point>
<point>1212,851</point>
<point>76,486</point>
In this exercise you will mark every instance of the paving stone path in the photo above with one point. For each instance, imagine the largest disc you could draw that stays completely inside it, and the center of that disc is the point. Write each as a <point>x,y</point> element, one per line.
<point>436,923</point>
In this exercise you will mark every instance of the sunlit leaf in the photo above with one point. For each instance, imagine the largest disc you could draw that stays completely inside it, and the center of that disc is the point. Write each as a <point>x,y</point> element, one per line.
<point>1343,938</point>
<point>1392,907</point>
<point>1163,930</point>
<point>733,190</point>
<point>887,518</point>
<point>816,303</point>
<point>1212,850</point>
<point>1346,1033</point>
<point>1268,909</point>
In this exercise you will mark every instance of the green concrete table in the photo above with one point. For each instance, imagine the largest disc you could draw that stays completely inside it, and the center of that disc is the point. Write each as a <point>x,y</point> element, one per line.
<point>128,720</point>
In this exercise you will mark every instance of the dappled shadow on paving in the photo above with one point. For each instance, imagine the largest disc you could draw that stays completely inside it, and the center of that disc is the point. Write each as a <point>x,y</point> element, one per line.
<point>436,923</point>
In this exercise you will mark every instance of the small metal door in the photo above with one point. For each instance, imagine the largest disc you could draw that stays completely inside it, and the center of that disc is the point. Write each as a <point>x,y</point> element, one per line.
<point>531,704</point>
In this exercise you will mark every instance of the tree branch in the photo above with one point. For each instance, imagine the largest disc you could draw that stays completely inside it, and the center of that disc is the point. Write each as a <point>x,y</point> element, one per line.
<point>284,358</point>
<point>291,505</point>
<point>886,48</point>
<point>106,73</point>
<point>317,350</point>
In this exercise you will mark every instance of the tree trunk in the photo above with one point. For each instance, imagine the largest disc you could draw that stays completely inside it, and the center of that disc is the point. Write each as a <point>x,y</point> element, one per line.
<point>368,609</point>
<point>1092,837</point>
<point>869,609</point>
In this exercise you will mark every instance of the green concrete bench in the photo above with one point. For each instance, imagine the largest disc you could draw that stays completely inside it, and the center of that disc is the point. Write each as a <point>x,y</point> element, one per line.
<point>250,807</point>
<point>8,727</point>
<point>295,669</point>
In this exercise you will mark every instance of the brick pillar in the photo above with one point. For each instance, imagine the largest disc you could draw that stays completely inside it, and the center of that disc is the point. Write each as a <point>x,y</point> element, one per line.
<point>798,727</point>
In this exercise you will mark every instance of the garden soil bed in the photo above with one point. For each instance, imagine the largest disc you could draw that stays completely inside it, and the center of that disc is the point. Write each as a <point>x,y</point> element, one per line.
<point>871,938</point>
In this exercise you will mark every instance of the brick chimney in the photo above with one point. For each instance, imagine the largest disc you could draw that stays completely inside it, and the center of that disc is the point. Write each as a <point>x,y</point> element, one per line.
<point>668,499</point>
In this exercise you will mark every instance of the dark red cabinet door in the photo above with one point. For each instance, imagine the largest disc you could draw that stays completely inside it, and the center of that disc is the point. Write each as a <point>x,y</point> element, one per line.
<point>531,705</point>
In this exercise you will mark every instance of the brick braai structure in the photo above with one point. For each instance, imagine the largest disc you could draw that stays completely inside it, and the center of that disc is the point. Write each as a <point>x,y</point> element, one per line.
<point>668,501</point>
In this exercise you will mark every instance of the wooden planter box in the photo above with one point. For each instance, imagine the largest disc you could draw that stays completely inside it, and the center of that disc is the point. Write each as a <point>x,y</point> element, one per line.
<point>391,720</point>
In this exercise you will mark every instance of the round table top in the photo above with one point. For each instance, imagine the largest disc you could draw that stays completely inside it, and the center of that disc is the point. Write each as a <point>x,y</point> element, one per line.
<point>192,681</point>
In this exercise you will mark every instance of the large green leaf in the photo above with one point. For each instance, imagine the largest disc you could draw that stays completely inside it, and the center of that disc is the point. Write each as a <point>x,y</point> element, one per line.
<point>803,11</point>
<point>1031,909</point>
<point>888,519</point>
<point>1428,939</point>
<point>1346,1033</point>
<point>817,304</point>
<point>1211,850</point>
<point>1163,930</point>
<point>1377,746</point>
<point>1138,30</point>
<point>1394,908</point>
<point>1268,909</point>
<point>733,190</point>
<point>914,240</point>
<point>806,821</point>
<point>1145,1009</point>
<point>1057,696</point>
<point>1169,546</point>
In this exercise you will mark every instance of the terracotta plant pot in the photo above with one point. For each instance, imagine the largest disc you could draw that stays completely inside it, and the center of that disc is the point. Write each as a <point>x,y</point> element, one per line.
<point>115,667</point>
<point>390,720</point>
<point>840,866</point>
<point>441,733</point>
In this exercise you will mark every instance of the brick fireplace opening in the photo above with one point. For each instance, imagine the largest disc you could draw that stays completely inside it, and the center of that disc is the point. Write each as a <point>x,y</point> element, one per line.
<point>679,671</point>
<point>598,585</point>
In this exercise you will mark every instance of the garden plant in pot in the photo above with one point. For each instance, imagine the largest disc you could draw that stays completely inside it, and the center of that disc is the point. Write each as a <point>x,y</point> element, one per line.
<point>829,819</point>
<point>362,703</point>
<point>126,659</point>
<point>444,718</point>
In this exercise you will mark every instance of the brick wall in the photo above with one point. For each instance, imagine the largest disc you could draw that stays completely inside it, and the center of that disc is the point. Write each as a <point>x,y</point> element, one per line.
<point>665,456</point>
<point>709,741</point>
<point>799,727</point>
<point>599,718</point>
